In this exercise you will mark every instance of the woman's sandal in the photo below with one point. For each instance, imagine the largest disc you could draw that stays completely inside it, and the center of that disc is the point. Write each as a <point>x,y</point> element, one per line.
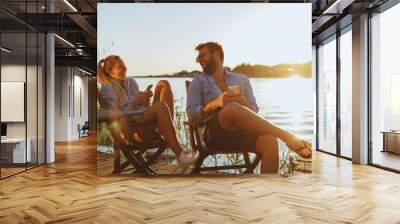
<point>307,146</point>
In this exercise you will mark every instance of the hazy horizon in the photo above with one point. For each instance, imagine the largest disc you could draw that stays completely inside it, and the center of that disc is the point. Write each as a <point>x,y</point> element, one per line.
<point>200,71</point>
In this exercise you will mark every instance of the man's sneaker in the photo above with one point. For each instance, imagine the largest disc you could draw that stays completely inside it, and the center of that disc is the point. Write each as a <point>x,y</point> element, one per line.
<point>187,157</point>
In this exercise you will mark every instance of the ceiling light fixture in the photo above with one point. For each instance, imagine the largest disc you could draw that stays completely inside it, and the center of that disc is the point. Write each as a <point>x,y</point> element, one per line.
<point>79,51</point>
<point>337,7</point>
<point>84,71</point>
<point>64,40</point>
<point>5,50</point>
<point>331,7</point>
<point>70,5</point>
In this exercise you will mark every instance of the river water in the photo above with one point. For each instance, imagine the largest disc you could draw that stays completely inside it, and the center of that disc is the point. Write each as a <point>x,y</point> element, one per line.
<point>286,102</point>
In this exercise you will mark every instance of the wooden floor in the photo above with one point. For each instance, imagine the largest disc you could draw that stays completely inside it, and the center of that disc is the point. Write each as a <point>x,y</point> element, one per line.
<point>69,191</point>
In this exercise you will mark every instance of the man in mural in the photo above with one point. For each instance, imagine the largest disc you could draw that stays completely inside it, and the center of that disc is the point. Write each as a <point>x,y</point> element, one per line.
<point>224,100</point>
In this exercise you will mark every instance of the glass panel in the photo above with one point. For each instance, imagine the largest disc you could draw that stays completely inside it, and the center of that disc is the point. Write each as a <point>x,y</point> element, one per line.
<point>327,96</point>
<point>2,159</point>
<point>15,8</point>
<point>18,6</point>
<point>41,98</point>
<point>13,86</point>
<point>23,89</point>
<point>346,94</point>
<point>31,97</point>
<point>386,89</point>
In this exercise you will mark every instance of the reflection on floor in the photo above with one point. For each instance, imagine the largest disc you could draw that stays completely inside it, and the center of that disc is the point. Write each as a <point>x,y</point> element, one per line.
<point>387,159</point>
<point>14,169</point>
<point>10,171</point>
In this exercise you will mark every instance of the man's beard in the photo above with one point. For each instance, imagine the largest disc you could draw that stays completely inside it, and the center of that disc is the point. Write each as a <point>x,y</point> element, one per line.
<point>210,67</point>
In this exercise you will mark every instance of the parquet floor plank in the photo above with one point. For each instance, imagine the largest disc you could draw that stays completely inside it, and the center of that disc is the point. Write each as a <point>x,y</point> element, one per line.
<point>69,191</point>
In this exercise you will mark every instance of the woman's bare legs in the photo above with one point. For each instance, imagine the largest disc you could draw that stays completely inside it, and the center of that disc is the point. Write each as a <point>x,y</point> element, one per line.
<point>267,146</point>
<point>160,112</point>
<point>233,115</point>
<point>163,93</point>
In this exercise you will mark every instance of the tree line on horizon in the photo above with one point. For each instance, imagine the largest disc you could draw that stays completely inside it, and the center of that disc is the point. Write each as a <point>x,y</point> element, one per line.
<point>256,71</point>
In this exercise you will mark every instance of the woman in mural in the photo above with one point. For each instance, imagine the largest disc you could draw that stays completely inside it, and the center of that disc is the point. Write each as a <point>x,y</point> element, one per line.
<point>225,101</point>
<point>121,94</point>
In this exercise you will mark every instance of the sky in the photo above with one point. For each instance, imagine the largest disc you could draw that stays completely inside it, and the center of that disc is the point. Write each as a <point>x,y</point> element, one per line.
<point>156,39</point>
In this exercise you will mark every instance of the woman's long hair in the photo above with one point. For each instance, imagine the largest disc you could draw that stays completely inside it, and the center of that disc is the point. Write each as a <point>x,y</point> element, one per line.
<point>104,77</point>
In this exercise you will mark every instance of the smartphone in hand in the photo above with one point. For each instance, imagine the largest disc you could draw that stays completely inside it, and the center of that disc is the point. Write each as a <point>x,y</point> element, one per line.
<point>234,90</point>
<point>149,87</point>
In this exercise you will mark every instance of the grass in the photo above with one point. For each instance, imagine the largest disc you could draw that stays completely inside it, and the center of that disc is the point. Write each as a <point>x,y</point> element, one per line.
<point>288,163</point>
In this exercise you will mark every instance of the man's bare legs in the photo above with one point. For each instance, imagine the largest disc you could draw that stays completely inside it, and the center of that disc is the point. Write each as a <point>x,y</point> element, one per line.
<point>235,116</point>
<point>163,93</point>
<point>267,146</point>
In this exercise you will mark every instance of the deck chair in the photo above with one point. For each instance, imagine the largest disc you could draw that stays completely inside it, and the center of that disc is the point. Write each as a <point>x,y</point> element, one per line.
<point>197,143</point>
<point>123,140</point>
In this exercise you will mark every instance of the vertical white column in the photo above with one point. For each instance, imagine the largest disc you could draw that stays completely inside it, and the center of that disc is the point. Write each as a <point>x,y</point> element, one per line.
<point>50,99</point>
<point>50,92</point>
<point>360,90</point>
<point>314,80</point>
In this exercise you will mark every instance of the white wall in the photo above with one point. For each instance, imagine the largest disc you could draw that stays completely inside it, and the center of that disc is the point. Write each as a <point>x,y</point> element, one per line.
<point>80,110</point>
<point>34,125</point>
<point>61,104</point>
<point>71,94</point>
<point>12,73</point>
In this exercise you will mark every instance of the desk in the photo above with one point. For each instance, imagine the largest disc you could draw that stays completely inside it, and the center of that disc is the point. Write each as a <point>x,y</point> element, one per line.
<point>391,141</point>
<point>13,150</point>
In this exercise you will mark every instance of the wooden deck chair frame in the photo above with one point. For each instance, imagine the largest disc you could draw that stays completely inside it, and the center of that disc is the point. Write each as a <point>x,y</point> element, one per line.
<point>132,150</point>
<point>197,143</point>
